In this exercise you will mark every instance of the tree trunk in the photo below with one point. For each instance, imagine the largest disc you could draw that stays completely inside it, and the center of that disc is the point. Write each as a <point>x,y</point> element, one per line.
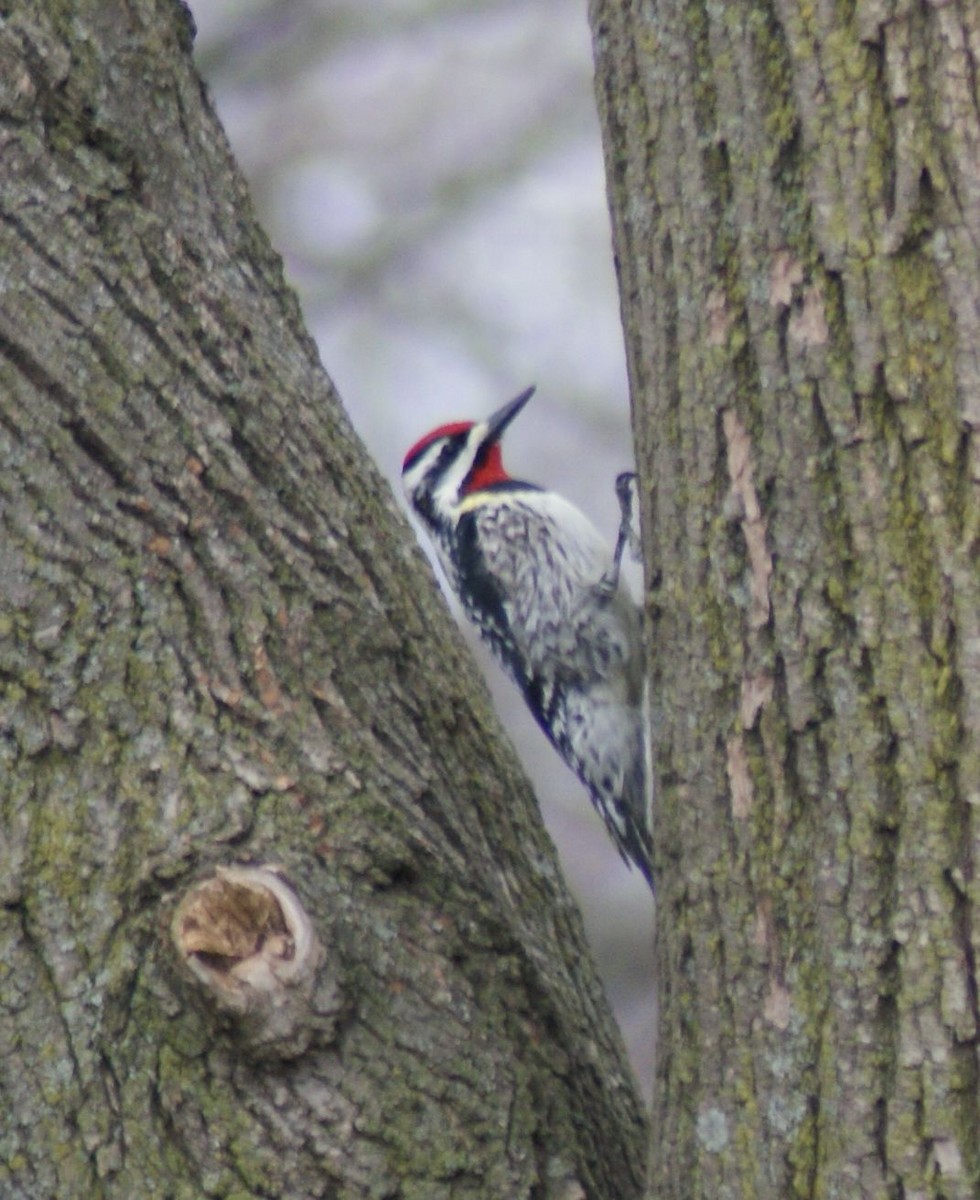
<point>278,917</point>
<point>795,192</point>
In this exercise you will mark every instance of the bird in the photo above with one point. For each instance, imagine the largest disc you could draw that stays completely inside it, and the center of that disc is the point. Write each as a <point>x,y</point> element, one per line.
<point>545,591</point>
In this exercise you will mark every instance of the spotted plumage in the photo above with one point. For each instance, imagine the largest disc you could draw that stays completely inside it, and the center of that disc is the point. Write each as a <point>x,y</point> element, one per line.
<point>544,590</point>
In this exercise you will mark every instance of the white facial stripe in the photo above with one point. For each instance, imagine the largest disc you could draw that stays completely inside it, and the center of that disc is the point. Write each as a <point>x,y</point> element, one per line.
<point>452,480</point>
<point>445,488</point>
<point>416,473</point>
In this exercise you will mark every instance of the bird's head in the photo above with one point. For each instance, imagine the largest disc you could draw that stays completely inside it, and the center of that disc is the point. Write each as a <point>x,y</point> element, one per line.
<point>455,461</point>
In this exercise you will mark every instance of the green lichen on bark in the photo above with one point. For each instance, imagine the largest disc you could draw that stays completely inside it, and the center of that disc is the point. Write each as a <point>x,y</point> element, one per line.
<point>788,260</point>
<point>211,653</point>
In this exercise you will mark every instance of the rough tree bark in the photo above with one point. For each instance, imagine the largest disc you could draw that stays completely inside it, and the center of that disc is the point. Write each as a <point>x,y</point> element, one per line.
<point>278,918</point>
<point>795,191</point>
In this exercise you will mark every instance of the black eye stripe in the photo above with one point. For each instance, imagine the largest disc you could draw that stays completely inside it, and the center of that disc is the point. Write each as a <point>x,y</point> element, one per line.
<point>447,456</point>
<point>450,452</point>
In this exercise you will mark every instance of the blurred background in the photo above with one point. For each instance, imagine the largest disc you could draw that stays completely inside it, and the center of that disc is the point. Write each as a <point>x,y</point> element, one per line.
<point>432,175</point>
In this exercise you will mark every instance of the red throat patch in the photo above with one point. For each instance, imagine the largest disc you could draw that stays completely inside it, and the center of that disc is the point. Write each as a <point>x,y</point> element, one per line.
<point>487,470</point>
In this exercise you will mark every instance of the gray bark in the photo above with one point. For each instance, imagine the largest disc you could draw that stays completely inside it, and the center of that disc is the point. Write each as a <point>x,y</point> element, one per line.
<point>795,192</point>
<point>220,649</point>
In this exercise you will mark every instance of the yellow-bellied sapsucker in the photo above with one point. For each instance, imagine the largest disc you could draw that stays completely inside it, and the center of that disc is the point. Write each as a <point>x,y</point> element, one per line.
<point>544,590</point>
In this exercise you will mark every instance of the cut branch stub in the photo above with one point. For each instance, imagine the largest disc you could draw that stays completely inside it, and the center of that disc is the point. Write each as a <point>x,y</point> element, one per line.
<point>247,944</point>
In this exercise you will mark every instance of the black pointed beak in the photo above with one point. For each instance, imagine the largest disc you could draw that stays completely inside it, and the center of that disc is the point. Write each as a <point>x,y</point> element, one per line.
<point>497,423</point>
